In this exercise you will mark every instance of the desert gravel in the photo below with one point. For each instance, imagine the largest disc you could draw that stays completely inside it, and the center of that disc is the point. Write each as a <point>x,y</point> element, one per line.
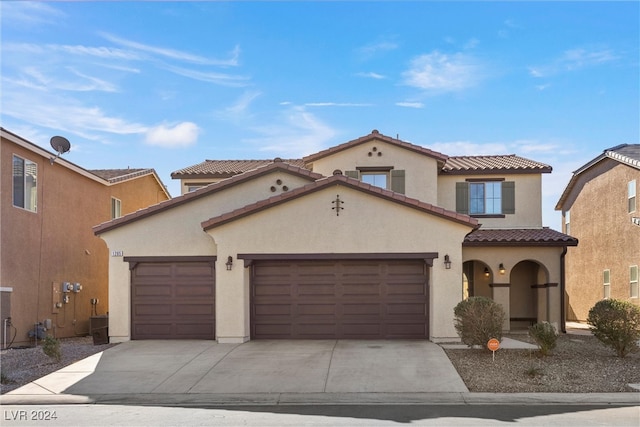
<point>580,364</point>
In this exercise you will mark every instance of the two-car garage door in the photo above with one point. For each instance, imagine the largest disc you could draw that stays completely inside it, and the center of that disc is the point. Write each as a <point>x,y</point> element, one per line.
<point>346,299</point>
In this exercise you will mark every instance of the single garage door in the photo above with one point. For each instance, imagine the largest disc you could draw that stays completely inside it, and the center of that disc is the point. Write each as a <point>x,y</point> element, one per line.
<point>350,299</point>
<point>173,300</point>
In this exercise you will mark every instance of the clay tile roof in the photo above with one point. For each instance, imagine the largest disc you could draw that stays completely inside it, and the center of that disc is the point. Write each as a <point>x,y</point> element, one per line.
<point>519,237</point>
<point>340,180</point>
<point>226,168</point>
<point>509,163</point>
<point>376,135</point>
<point>115,175</point>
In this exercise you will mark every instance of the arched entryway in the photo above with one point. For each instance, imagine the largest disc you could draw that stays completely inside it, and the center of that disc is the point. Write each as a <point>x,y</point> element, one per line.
<point>476,279</point>
<point>527,294</point>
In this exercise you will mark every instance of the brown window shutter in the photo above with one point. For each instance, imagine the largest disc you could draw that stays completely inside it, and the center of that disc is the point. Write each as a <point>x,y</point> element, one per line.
<point>397,180</point>
<point>352,174</point>
<point>462,197</point>
<point>508,197</point>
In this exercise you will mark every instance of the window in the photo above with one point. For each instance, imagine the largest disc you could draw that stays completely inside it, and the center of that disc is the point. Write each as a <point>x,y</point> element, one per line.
<point>383,176</point>
<point>377,179</point>
<point>25,179</point>
<point>606,282</point>
<point>631,194</point>
<point>633,281</point>
<point>490,198</point>
<point>567,222</point>
<point>116,208</point>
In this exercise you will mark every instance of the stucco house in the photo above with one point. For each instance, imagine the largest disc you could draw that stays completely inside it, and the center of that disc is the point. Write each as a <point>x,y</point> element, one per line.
<point>53,268</point>
<point>374,238</point>
<point>599,207</point>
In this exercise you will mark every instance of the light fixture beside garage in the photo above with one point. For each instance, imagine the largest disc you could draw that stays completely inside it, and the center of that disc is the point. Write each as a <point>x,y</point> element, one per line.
<point>229,263</point>
<point>501,268</point>
<point>447,262</point>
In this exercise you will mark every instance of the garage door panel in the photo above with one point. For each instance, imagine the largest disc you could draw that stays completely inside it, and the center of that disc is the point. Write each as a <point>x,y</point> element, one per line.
<point>173,300</point>
<point>339,299</point>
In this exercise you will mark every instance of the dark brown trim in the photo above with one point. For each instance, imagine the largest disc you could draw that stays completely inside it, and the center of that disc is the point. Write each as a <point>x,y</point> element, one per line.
<point>499,285</point>
<point>135,260</point>
<point>249,259</point>
<point>484,179</point>
<point>374,168</point>
<point>488,216</point>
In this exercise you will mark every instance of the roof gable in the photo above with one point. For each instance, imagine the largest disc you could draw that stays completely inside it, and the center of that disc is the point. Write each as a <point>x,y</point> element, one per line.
<point>339,179</point>
<point>626,154</point>
<point>375,135</point>
<point>206,191</point>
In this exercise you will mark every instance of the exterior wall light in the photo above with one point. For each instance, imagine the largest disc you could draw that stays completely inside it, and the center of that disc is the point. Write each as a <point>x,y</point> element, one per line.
<point>486,272</point>
<point>501,268</point>
<point>447,262</point>
<point>229,263</point>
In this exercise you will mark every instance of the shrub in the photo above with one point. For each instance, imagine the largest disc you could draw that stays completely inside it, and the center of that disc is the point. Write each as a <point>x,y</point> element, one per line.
<point>616,324</point>
<point>545,335</point>
<point>51,348</point>
<point>477,320</point>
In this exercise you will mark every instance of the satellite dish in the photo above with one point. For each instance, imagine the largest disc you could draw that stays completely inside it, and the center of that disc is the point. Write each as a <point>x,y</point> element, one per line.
<point>61,145</point>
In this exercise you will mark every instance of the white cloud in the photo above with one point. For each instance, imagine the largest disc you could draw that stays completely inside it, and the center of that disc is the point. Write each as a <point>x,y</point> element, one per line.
<point>295,133</point>
<point>371,75</point>
<point>574,59</point>
<point>468,148</point>
<point>181,135</point>
<point>410,104</point>
<point>210,77</point>
<point>373,49</point>
<point>28,13</point>
<point>175,54</point>
<point>441,72</point>
<point>336,104</point>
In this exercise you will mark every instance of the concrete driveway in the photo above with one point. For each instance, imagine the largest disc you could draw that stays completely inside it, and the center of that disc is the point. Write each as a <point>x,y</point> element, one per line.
<point>255,367</point>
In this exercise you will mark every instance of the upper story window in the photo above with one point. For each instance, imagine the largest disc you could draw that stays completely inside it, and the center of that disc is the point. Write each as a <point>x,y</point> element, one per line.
<point>631,195</point>
<point>606,284</point>
<point>633,281</point>
<point>493,198</point>
<point>116,208</point>
<point>25,180</point>
<point>567,222</point>
<point>384,177</point>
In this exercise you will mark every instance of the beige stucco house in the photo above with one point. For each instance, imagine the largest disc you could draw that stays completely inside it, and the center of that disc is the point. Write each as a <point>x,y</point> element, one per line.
<point>599,207</point>
<point>374,238</point>
<point>53,269</point>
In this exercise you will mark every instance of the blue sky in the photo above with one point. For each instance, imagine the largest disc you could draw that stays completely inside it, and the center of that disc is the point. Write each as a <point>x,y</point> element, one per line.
<point>170,84</point>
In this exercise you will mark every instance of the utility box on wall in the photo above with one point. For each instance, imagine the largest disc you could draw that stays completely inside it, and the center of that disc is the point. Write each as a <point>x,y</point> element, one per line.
<point>99,329</point>
<point>5,315</point>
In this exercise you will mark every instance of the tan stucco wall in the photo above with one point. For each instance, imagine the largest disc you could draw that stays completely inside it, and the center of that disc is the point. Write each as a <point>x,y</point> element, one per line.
<point>309,225</point>
<point>185,183</point>
<point>420,171</point>
<point>528,196</point>
<point>608,240</point>
<point>56,244</point>
<point>176,232</point>
<point>518,273</point>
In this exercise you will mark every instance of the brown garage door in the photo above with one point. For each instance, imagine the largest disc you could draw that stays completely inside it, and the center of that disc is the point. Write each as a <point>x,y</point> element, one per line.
<point>367,299</point>
<point>173,300</point>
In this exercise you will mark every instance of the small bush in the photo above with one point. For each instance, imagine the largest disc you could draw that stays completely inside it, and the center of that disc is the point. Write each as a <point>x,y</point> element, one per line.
<point>51,348</point>
<point>477,320</point>
<point>545,335</point>
<point>616,324</point>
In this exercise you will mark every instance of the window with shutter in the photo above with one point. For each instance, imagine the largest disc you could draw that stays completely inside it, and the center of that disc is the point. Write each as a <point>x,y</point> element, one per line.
<point>490,198</point>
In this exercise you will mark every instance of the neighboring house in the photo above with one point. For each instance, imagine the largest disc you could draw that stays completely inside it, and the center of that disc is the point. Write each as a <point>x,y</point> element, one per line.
<point>599,206</point>
<point>375,238</point>
<point>48,208</point>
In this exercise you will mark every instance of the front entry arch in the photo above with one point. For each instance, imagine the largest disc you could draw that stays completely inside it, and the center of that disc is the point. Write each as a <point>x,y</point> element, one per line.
<point>527,294</point>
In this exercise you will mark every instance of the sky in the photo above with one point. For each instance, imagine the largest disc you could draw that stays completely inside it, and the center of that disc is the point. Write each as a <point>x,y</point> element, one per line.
<point>166,85</point>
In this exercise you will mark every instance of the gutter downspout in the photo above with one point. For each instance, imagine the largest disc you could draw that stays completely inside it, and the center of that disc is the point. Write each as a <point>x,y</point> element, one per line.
<point>563,320</point>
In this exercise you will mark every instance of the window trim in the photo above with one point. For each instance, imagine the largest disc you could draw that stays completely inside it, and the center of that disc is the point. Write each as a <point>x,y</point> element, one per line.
<point>633,284</point>
<point>116,204</point>
<point>606,284</point>
<point>25,196</point>
<point>567,222</point>
<point>631,197</point>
